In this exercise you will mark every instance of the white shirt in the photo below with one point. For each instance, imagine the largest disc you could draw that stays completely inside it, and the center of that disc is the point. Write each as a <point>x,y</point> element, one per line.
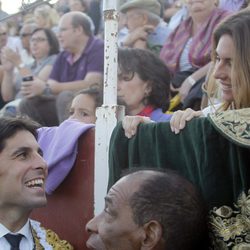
<point>27,242</point>
<point>211,109</point>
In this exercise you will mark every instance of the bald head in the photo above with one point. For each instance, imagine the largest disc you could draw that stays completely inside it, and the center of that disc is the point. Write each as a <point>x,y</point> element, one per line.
<point>78,19</point>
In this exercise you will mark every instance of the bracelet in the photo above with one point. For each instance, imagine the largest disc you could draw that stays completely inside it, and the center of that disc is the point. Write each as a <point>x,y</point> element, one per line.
<point>191,80</point>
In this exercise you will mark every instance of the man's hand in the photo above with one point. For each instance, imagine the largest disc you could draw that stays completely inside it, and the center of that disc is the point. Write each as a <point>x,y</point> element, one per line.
<point>33,88</point>
<point>140,33</point>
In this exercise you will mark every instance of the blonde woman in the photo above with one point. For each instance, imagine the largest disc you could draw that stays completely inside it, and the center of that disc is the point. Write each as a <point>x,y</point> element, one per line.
<point>46,17</point>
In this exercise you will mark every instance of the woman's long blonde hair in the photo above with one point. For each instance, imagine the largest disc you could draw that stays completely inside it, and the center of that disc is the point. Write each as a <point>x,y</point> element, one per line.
<point>237,27</point>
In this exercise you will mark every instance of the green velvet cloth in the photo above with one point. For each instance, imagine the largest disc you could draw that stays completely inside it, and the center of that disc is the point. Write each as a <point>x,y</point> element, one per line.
<point>213,153</point>
<point>219,167</point>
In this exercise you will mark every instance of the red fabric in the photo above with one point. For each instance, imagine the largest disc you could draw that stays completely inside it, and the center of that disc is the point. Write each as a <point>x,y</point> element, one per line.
<point>146,111</point>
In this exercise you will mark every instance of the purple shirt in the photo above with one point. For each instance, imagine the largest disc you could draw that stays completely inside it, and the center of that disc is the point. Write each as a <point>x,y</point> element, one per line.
<point>91,60</point>
<point>158,116</point>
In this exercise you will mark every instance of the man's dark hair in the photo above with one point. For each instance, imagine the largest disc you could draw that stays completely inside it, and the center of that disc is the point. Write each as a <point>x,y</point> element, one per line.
<point>9,126</point>
<point>149,68</point>
<point>81,19</point>
<point>52,40</point>
<point>176,204</point>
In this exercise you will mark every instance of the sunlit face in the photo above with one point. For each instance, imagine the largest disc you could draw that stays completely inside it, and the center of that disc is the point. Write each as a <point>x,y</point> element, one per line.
<point>134,19</point>
<point>83,108</point>
<point>39,45</point>
<point>223,66</point>
<point>115,225</point>
<point>200,5</point>
<point>132,92</point>
<point>22,174</point>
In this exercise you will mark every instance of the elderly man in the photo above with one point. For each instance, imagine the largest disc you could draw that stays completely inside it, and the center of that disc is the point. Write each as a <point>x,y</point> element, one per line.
<point>23,172</point>
<point>150,210</point>
<point>146,30</point>
<point>78,66</point>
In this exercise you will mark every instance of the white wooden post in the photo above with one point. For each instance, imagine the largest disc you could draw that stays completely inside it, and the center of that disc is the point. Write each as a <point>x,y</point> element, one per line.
<point>108,114</point>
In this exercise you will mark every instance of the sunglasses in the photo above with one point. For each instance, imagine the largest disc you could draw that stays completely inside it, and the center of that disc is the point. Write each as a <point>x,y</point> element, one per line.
<point>3,34</point>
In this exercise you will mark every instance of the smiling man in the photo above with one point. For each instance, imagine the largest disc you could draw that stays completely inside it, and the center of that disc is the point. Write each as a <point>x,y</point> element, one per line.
<point>23,172</point>
<point>150,210</point>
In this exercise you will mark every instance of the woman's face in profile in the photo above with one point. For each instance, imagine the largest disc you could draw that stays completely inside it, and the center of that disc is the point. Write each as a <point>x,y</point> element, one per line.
<point>223,70</point>
<point>132,91</point>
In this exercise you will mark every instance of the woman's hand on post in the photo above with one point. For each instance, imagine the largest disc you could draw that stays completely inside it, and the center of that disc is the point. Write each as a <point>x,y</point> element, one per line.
<point>130,124</point>
<point>180,117</point>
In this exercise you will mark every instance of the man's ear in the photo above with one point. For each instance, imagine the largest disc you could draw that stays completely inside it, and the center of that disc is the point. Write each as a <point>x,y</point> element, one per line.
<point>145,19</point>
<point>152,235</point>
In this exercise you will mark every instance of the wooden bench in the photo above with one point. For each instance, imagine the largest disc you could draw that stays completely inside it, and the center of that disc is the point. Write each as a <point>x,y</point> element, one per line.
<point>71,205</point>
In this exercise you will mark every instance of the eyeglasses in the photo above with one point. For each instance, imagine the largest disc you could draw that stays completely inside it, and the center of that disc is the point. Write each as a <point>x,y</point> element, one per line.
<point>38,39</point>
<point>3,34</point>
<point>25,35</point>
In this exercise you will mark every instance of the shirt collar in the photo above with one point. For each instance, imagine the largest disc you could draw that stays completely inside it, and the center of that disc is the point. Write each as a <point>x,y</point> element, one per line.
<point>25,231</point>
<point>69,56</point>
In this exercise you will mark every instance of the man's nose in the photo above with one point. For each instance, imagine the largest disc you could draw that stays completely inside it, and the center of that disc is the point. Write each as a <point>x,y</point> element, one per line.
<point>92,225</point>
<point>39,162</point>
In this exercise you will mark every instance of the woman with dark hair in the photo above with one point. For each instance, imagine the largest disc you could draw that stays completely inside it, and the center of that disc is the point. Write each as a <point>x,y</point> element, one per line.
<point>44,48</point>
<point>143,84</point>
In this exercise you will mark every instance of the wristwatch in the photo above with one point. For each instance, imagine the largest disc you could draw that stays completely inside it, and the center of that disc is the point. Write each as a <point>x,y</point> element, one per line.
<point>47,90</point>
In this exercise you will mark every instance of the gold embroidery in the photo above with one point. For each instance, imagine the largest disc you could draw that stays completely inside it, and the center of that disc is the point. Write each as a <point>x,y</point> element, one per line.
<point>231,228</point>
<point>53,240</point>
<point>234,124</point>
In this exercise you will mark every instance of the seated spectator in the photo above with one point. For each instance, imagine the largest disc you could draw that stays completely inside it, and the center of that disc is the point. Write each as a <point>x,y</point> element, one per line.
<point>12,42</point>
<point>187,50</point>
<point>82,6</point>
<point>146,30</point>
<point>84,104</point>
<point>22,188</point>
<point>46,17</point>
<point>171,8</point>
<point>25,35</point>
<point>143,84</point>
<point>78,5</point>
<point>79,66</point>
<point>152,210</point>
<point>230,71</point>
<point>32,78</point>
